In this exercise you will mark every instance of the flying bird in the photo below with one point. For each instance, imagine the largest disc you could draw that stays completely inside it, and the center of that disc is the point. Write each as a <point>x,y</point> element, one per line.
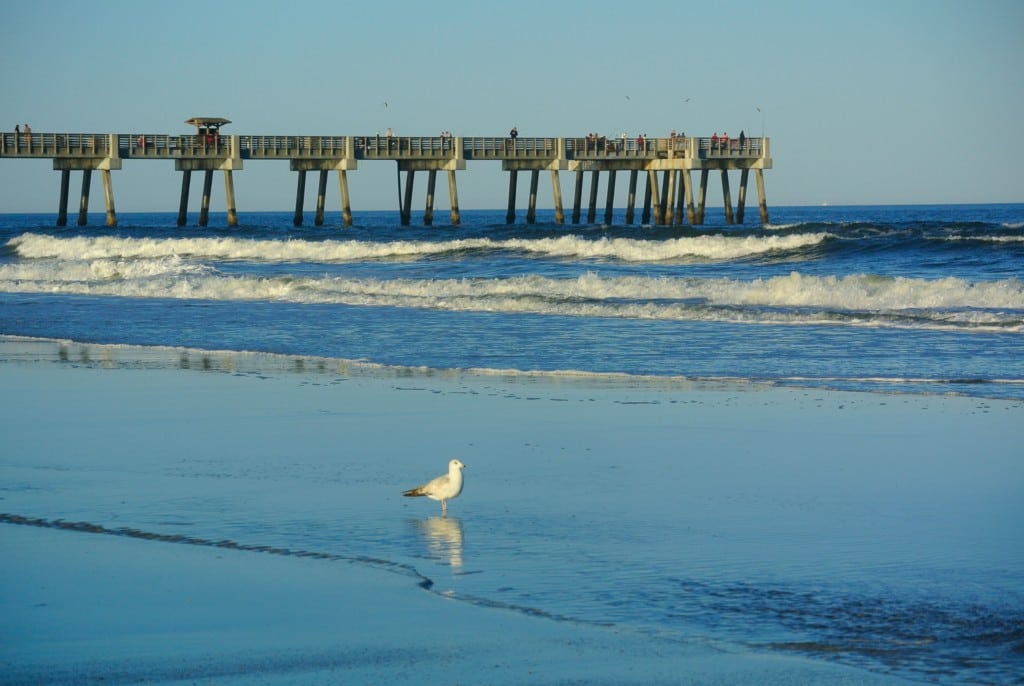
<point>443,488</point>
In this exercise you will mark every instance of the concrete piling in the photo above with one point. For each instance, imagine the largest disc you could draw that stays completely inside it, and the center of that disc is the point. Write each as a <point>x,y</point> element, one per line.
<point>186,180</point>
<point>204,207</point>
<point>62,207</point>
<point>556,190</point>
<point>428,211</point>
<point>510,215</point>
<point>453,195</point>
<point>321,198</point>
<point>300,198</point>
<point>726,197</point>
<point>108,194</point>
<point>83,203</point>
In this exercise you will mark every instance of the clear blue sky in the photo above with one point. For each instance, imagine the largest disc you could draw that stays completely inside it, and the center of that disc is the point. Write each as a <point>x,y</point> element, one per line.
<point>874,102</point>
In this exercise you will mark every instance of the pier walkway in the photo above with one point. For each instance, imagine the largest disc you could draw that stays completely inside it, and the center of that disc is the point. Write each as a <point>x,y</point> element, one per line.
<point>669,198</point>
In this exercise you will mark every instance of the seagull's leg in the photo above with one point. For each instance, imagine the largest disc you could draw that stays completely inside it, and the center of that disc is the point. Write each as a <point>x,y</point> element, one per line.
<point>444,507</point>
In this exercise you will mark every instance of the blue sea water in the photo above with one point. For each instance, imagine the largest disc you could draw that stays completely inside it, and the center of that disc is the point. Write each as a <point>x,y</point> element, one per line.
<point>920,299</point>
<point>898,303</point>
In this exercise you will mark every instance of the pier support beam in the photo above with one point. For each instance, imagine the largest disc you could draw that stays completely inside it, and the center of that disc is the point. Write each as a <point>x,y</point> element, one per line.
<point>510,216</point>
<point>428,211</point>
<point>346,207</point>
<point>108,195</point>
<point>702,194</point>
<point>659,217</point>
<point>228,164</point>
<point>453,196</point>
<point>300,198</point>
<point>321,198</point>
<point>631,198</point>
<point>62,207</point>
<point>691,215</point>
<point>531,209</point>
<point>610,199</point>
<point>556,190</point>
<point>762,203</point>
<point>670,197</point>
<point>410,178</point>
<point>186,180</point>
<point>666,201</point>
<point>229,193</point>
<point>727,197</point>
<point>595,178</point>
<point>83,202</point>
<point>577,197</point>
<point>645,216</point>
<point>678,217</point>
<point>204,208</point>
<point>742,201</point>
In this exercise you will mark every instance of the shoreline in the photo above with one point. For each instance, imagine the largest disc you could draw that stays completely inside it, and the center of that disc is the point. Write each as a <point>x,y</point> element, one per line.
<point>268,454</point>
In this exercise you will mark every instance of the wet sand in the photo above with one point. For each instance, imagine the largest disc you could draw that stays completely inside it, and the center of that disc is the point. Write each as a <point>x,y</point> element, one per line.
<point>108,606</point>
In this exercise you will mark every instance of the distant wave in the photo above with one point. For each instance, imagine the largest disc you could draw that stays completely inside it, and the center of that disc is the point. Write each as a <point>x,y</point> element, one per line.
<point>706,247</point>
<point>860,300</point>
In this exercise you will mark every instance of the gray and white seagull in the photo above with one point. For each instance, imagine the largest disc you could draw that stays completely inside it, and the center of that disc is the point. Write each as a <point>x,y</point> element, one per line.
<point>443,488</point>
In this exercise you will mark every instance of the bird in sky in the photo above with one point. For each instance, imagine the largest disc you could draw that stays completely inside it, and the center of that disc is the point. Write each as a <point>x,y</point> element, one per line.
<point>443,488</point>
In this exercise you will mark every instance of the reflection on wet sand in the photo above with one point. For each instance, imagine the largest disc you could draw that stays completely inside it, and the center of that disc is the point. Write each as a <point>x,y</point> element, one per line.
<point>444,538</point>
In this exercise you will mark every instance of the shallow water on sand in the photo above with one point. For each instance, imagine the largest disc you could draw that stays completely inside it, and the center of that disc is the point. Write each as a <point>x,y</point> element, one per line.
<point>875,530</point>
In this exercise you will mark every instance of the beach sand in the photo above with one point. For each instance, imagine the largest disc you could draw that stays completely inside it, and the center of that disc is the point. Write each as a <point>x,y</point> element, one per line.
<point>231,450</point>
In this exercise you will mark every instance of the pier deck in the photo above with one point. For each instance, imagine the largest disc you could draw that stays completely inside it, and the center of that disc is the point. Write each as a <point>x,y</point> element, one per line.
<point>673,157</point>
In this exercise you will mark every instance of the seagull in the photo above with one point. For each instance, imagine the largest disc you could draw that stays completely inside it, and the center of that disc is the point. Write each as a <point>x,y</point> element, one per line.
<point>443,488</point>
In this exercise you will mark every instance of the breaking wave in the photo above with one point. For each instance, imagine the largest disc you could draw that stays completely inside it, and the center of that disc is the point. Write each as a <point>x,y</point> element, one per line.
<point>860,300</point>
<point>705,247</point>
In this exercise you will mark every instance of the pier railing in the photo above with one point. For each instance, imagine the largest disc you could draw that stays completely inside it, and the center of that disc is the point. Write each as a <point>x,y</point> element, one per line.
<point>376,147</point>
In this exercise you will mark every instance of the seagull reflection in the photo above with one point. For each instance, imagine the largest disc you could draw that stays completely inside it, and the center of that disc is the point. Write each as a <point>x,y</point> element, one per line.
<point>444,538</point>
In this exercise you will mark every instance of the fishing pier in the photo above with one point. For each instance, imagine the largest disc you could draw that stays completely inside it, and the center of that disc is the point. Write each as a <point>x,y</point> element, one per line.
<point>663,165</point>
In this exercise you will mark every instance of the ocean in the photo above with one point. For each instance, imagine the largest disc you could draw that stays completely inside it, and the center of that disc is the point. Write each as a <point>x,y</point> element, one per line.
<point>915,299</point>
<point>908,313</point>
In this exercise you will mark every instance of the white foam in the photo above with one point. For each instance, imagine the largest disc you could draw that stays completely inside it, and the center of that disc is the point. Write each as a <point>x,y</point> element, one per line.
<point>862,300</point>
<point>708,247</point>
